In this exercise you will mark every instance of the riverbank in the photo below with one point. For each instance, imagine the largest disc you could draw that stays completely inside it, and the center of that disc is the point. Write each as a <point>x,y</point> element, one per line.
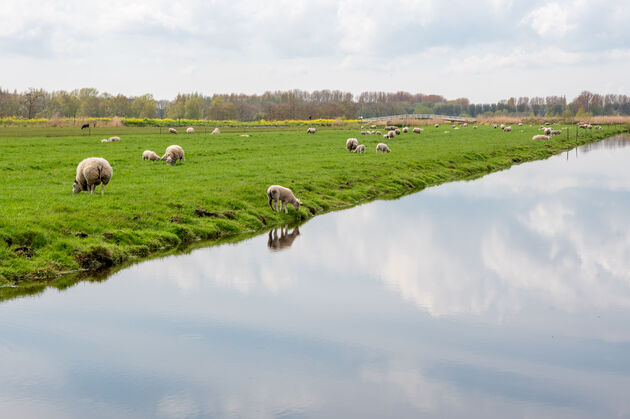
<point>219,191</point>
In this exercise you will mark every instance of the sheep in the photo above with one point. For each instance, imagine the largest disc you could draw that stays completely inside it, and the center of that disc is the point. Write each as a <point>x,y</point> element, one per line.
<point>541,137</point>
<point>390,134</point>
<point>150,155</point>
<point>378,133</point>
<point>417,130</point>
<point>474,126</point>
<point>465,124</point>
<point>397,131</point>
<point>520,124</point>
<point>190,130</point>
<point>556,132</point>
<point>405,130</point>
<point>104,140</point>
<point>360,149</point>
<point>173,154</point>
<point>245,135</point>
<point>382,147</point>
<point>311,131</point>
<point>172,131</point>
<point>502,126</point>
<point>597,127</point>
<point>494,126</point>
<point>437,125</point>
<point>85,126</point>
<point>351,144</point>
<point>277,193</point>
<point>455,127</point>
<point>547,131</point>
<point>507,129</point>
<point>216,131</point>
<point>114,139</point>
<point>364,133</point>
<point>90,173</point>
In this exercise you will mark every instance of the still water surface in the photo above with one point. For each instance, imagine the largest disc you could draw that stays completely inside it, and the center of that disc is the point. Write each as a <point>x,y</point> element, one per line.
<point>507,296</point>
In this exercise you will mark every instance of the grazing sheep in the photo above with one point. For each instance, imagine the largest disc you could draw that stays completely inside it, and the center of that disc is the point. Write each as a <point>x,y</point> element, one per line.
<point>190,130</point>
<point>597,127</point>
<point>244,135</point>
<point>90,173</point>
<point>465,124</point>
<point>311,131</point>
<point>172,131</point>
<point>474,126</point>
<point>494,126</point>
<point>417,130</point>
<point>520,124</point>
<point>216,131</point>
<point>556,132</point>
<point>173,154</point>
<point>397,131</point>
<point>378,133</point>
<point>547,131</point>
<point>360,149</point>
<point>382,147</point>
<point>507,129</point>
<point>437,125</point>
<point>405,130</point>
<point>104,140</point>
<point>277,193</point>
<point>541,137</point>
<point>85,126</point>
<point>351,144</point>
<point>455,127</point>
<point>502,126</point>
<point>363,133</point>
<point>150,155</point>
<point>390,134</point>
<point>114,139</point>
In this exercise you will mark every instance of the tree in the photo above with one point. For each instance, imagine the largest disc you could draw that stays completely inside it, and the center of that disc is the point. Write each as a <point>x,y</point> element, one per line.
<point>144,106</point>
<point>33,101</point>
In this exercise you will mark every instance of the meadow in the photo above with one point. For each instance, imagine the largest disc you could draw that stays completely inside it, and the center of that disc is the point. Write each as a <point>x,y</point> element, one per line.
<point>218,192</point>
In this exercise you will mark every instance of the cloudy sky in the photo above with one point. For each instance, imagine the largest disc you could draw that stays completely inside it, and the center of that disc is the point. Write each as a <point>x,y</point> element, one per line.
<point>485,50</point>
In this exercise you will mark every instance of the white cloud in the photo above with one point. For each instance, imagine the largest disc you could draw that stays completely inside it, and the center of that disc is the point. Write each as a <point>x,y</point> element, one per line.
<point>551,20</point>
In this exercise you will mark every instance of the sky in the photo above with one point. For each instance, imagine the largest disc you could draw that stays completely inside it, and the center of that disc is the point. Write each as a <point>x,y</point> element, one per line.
<point>484,50</point>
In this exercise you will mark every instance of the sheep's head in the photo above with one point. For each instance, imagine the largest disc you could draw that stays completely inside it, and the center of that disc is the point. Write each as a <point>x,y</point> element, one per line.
<point>76,188</point>
<point>296,204</point>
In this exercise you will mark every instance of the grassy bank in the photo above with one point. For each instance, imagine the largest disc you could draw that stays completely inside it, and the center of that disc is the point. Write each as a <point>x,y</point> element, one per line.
<point>219,191</point>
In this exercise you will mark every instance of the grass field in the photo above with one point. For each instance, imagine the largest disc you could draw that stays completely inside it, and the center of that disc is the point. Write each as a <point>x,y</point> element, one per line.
<point>219,190</point>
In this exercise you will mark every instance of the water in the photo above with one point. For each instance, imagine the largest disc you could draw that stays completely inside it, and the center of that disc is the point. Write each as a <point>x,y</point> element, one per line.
<point>507,296</point>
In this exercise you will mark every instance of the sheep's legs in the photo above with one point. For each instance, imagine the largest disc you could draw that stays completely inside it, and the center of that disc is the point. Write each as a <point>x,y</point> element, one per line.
<point>286,207</point>
<point>102,189</point>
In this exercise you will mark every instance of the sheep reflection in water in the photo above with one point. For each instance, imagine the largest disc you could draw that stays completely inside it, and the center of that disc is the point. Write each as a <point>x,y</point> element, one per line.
<point>276,243</point>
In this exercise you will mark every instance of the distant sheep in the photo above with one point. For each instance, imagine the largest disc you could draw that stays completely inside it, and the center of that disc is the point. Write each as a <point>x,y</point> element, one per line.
<point>397,131</point>
<point>378,133</point>
<point>360,149</point>
<point>150,155</point>
<point>383,148</point>
<point>351,144</point>
<point>502,126</point>
<point>437,125</point>
<point>541,137</point>
<point>373,126</point>
<point>311,131</point>
<point>90,173</point>
<point>104,140</point>
<point>277,193</point>
<point>494,126</point>
<point>190,130</point>
<point>520,124</point>
<point>405,130</point>
<point>172,131</point>
<point>84,126</point>
<point>216,131</point>
<point>556,132</point>
<point>364,133</point>
<point>465,124</point>
<point>245,135</point>
<point>547,131</point>
<point>507,129</point>
<point>455,127</point>
<point>417,130</point>
<point>474,126</point>
<point>390,134</point>
<point>173,154</point>
<point>114,139</point>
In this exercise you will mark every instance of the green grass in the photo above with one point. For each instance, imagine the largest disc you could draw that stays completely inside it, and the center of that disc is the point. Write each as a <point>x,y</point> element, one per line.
<point>150,207</point>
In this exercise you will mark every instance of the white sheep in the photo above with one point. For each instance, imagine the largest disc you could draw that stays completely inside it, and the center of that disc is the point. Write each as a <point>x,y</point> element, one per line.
<point>455,127</point>
<point>373,126</point>
<point>405,130</point>
<point>390,134</point>
<point>150,155</point>
<point>90,173</point>
<point>190,130</point>
<point>547,131</point>
<point>382,147</point>
<point>216,131</point>
<point>114,139</point>
<point>364,133</point>
<point>417,130</point>
<point>277,193</point>
<point>494,126</point>
<point>378,133</point>
<point>104,140</point>
<point>360,149</point>
<point>311,131</point>
<point>397,131</point>
<point>541,137</point>
<point>173,154</point>
<point>556,132</point>
<point>474,126</point>
<point>172,131</point>
<point>507,129</point>
<point>351,144</point>
<point>245,135</point>
<point>437,125</point>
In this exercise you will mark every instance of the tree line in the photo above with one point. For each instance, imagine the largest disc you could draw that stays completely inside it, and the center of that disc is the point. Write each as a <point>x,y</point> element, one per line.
<point>294,104</point>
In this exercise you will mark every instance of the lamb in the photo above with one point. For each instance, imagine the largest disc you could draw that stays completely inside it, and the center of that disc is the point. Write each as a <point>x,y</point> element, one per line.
<point>104,140</point>
<point>547,131</point>
<point>541,137</point>
<point>494,126</point>
<point>382,147</point>
<point>173,154</point>
<point>417,130</point>
<point>90,173</point>
<point>405,130</point>
<point>311,131</point>
<point>507,129</point>
<point>363,133</point>
<point>390,134</point>
<point>216,131</point>
<point>373,126</point>
<point>277,193</point>
<point>150,155</point>
<point>397,131</point>
<point>190,130</point>
<point>556,132</point>
<point>502,126</point>
<point>437,125</point>
<point>520,124</point>
<point>378,133</point>
<point>351,144</point>
<point>172,131</point>
<point>114,139</point>
<point>360,149</point>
